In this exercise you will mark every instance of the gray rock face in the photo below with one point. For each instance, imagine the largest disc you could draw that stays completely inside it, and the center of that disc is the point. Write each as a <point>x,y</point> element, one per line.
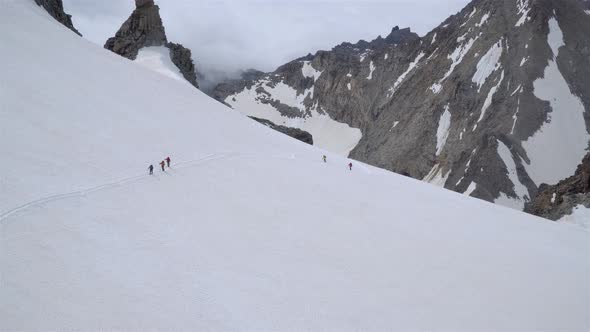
<point>144,28</point>
<point>55,8</point>
<point>182,58</point>
<point>479,105</point>
<point>554,202</point>
<point>297,134</point>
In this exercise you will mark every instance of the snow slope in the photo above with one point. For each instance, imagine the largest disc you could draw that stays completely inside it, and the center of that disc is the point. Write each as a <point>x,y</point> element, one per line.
<point>157,58</point>
<point>249,230</point>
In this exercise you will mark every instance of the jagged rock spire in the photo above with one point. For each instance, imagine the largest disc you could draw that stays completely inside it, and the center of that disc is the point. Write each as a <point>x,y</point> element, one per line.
<point>144,28</point>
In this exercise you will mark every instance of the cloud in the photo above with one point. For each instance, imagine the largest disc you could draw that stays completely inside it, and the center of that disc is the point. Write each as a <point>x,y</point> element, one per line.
<point>231,35</point>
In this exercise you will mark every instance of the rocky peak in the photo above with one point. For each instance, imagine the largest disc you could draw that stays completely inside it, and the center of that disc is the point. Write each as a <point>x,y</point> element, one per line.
<point>144,28</point>
<point>55,8</point>
<point>398,36</point>
<point>144,3</point>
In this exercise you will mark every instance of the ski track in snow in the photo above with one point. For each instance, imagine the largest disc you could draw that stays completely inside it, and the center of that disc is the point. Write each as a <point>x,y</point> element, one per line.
<point>110,184</point>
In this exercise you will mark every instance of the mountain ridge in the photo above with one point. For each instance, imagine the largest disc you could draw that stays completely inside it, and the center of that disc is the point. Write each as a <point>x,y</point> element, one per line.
<point>469,106</point>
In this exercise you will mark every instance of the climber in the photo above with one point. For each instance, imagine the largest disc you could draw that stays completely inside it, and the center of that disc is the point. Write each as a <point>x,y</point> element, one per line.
<point>168,161</point>
<point>151,168</point>
<point>350,166</point>
<point>163,165</point>
<point>325,159</point>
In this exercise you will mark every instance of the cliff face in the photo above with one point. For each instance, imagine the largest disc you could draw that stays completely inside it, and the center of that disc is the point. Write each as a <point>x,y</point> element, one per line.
<point>55,8</point>
<point>144,28</point>
<point>481,105</point>
<point>554,202</point>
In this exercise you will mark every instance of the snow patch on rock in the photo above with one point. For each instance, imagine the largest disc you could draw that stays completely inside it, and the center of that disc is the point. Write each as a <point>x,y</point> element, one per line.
<point>308,71</point>
<point>488,64</point>
<point>458,55</point>
<point>520,190</point>
<point>523,10</point>
<point>436,88</point>
<point>488,102</point>
<point>372,69</point>
<point>472,187</point>
<point>403,76</point>
<point>436,176</point>
<point>559,146</point>
<point>442,133</point>
<point>483,20</point>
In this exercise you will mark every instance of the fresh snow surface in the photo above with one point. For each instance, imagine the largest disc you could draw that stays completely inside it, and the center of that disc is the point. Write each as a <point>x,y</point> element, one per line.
<point>488,64</point>
<point>372,68</point>
<point>558,147</point>
<point>249,230</point>
<point>520,190</point>
<point>308,71</point>
<point>580,216</point>
<point>157,58</point>
<point>442,133</point>
<point>402,77</point>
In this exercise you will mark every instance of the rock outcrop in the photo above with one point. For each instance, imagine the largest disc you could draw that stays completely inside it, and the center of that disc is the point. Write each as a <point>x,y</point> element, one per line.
<point>144,28</point>
<point>55,8</point>
<point>480,105</point>
<point>182,58</point>
<point>297,134</point>
<point>554,202</point>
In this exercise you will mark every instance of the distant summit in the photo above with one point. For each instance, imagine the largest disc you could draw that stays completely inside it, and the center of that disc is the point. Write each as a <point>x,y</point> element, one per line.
<point>144,28</point>
<point>397,36</point>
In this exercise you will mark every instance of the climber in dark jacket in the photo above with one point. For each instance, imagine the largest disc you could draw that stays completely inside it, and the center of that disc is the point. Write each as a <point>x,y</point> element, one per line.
<point>151,168</point>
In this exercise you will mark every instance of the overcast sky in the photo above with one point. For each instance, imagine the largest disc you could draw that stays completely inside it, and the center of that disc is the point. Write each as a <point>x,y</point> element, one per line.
<point>230,35</point>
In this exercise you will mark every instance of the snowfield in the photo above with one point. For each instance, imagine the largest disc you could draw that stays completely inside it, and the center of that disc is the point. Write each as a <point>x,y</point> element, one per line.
<point>564,134</point>
<point>249,230</point>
